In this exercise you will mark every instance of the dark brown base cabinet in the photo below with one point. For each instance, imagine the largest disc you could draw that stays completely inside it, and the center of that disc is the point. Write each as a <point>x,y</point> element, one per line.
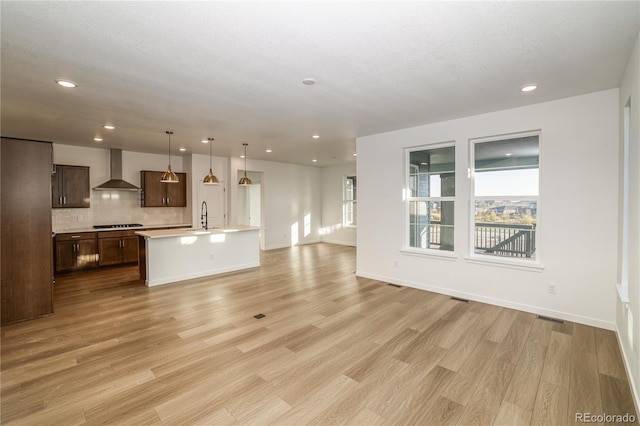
<point>76,252</point>
<point>117,247</point>
<point>82,251</point>
<point>26,288</point>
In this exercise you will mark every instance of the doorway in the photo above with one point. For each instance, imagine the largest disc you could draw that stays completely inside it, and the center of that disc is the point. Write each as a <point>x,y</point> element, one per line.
<point>250,201</point>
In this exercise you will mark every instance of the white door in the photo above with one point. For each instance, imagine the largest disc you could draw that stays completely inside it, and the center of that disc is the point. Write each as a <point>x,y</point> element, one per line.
<point>254,205</point>
<point>214,196</point>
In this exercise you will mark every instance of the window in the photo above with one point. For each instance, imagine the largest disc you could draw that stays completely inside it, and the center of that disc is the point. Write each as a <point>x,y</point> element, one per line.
<point>349,199</point>
<point>505,196</point>
<point>430,199</point>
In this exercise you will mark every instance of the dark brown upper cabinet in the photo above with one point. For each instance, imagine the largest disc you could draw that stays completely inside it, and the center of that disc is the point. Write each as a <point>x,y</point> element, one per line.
<point>70,187</point>
<point>159,194</point>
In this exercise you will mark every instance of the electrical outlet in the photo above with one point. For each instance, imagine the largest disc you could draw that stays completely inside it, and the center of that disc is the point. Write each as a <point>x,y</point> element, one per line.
<point>551,288</point>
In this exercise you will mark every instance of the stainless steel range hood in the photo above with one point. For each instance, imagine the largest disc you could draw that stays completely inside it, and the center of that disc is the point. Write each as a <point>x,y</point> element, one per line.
<point>116,183</point>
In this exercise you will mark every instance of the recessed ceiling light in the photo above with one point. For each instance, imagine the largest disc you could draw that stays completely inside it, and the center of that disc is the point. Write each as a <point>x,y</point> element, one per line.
<point>109,127</point>
<point>314,160</point>
<point>66,83</point>
<point>508,154</point>
<point>242,156</point>
<point>355,155</point>
<point>315,136</point>
<point>182,149</point>
<point>204,141</point>
<point>529,88</point>
<point>268,150</point>
<point>309,81</point>
<point>97,139</point>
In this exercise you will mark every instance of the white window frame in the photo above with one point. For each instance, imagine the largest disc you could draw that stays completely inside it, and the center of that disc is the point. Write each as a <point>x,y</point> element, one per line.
<point>503,261</point>
<point>346,202</point>
<point>623,285</point>
<point>407,199</point>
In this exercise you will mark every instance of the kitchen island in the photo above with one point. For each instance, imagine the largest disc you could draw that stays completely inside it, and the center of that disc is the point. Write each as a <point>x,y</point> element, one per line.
<point>172,255</point>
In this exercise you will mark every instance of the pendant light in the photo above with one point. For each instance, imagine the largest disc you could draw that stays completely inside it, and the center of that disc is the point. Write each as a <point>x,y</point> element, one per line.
<point>244,180</point>
<point>169,176</point>
<point>210,179</point>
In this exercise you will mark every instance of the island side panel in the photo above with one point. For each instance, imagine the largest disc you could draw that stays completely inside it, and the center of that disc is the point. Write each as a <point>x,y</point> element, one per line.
<point>142,258</point>
<point>184,257</point>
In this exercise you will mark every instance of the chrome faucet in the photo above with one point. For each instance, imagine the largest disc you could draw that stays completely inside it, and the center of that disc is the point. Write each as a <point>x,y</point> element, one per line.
<point>204,216</point>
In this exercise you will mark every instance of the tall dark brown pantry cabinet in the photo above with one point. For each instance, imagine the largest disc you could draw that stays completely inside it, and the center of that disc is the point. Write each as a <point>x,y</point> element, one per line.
<point>26,249</point>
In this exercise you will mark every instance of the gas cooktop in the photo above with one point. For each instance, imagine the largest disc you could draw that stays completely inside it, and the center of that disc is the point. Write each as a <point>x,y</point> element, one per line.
<point>119,225</point>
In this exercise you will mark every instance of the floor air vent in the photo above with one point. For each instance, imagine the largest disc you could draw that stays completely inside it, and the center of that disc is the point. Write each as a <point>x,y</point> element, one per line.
<point>559,321</point>
<point>459,299</point>
<point>259,316</point>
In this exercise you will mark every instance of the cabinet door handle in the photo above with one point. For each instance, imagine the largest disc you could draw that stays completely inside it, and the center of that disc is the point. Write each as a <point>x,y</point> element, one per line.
<point>75,236</point>
<point>163,201</point>
<point>167,200</point>
<point>64,200</point>
<point>59,200</point>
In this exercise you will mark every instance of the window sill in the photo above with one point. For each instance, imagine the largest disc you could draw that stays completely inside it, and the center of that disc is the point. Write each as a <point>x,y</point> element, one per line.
<point>623,293</point>
<point>435,254</point>
<point>523,265</point>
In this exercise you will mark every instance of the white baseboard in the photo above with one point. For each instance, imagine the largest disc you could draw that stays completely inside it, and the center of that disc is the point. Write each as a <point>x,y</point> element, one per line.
<point>594,322</point>
<point>635,392</point>
<point>285,245</point>
<point>277,246</point>
<point>338,242</point>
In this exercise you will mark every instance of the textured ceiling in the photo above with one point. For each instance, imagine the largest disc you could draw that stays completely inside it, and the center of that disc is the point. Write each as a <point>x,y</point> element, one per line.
<point>234,70</point>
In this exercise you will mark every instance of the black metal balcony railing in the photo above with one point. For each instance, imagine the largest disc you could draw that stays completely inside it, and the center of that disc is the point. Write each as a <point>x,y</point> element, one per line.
<point>505,239</point>
<point>500,239</point>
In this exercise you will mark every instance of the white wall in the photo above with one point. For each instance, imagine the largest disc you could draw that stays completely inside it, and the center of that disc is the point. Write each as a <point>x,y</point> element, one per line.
<point>577,220</point>
<point>332,195</point>
<point>291,193</point>
<point>628,316</point>
<point>109,207</point>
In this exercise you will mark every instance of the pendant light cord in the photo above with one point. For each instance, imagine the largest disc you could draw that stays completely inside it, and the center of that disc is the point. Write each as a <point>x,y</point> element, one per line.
<point>169,132</point>
<point>210,143</point>
<point>245,158</point>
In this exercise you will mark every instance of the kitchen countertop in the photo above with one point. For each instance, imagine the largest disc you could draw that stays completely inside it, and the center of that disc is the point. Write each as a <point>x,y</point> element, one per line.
<point>165,233</point>
<point>92,229</point>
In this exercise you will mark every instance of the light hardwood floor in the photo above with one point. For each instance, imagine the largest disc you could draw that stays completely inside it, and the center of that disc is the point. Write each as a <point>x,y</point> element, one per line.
<point>332,348</point>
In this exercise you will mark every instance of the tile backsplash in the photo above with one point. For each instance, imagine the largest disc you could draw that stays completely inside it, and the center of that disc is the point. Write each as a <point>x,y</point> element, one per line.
<point>110,207</point>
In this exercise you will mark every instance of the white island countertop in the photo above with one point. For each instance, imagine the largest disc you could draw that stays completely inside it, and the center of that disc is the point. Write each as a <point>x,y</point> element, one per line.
<point>186,232</point>
<point>171,255</point>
